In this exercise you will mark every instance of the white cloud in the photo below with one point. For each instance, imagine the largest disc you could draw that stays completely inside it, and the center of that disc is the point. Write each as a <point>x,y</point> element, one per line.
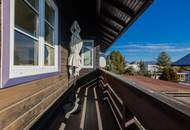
<point>140,47</point>
<point>149,46</point>
<point>177,50</point>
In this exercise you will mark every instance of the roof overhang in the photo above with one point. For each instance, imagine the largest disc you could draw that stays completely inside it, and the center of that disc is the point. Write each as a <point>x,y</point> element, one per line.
<point>106,20</point>
<point>116,16</point>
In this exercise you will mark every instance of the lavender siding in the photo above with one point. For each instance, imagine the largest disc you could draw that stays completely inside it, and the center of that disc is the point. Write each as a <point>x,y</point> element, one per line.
<point>5,42</point>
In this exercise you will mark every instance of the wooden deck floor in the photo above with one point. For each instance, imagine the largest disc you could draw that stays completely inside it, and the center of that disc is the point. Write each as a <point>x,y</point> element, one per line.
<point>95,113</point>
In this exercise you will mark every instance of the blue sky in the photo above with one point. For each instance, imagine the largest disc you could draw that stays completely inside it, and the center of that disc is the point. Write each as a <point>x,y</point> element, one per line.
<point>165,26</point>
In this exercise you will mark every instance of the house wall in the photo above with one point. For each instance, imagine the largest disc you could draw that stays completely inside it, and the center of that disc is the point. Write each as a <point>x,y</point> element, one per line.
<point>85,13</point>
<point>22,105</point>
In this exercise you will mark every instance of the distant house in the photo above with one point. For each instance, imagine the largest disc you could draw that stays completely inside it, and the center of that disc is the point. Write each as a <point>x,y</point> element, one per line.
<point>184,76</point>
<point>133,65</point>
<point>183,62</point>
<point>153,69</point>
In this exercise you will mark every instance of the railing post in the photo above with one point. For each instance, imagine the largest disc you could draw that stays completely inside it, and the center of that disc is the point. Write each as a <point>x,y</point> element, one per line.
<point>129,122</point>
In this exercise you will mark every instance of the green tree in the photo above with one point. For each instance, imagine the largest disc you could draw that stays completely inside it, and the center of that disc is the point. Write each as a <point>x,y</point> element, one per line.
<point>130,71</point>
<point>169,74</point>
<point>116,62</point>
<point>163,59</point>
<point>185,68</point>
<point>142,67</point>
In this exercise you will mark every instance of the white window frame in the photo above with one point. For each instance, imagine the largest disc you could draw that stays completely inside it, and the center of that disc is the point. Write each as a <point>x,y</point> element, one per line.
<point>16,71</point>
<point>92,58</point>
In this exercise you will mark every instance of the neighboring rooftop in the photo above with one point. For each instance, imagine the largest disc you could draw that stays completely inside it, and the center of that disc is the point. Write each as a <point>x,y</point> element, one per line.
<point>179,91</point>
<point>185,61</point>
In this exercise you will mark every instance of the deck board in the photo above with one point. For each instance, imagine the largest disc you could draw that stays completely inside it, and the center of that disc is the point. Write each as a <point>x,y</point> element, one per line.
<point>91,121</point>
<point>108,120</point>
<point>73,123</point>
<point>91,117</point>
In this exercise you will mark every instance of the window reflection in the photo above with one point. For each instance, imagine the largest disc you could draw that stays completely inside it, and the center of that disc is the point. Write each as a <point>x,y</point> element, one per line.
<point>49,56</point>
<point>34,3</point>
<point>49,14</point>
<point>26,18</point>
<point>26,50</point>
<point>48,34</point>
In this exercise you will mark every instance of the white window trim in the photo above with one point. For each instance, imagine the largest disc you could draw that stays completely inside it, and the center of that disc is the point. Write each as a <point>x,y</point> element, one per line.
<point>23,71</point>
<point>82,55</point>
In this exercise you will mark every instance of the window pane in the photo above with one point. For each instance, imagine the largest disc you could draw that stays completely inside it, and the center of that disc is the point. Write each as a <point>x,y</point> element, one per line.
<point>87,52</point>
<point>49,14</point>
<point>34,3</point>
<point>25,18</point>
<point>89,44</point>
<point>48,34</point>
<point>25,50</point>
<point>49,56</point>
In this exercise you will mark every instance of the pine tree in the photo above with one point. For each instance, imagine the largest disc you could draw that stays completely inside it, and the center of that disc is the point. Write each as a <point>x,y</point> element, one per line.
<point>116,62</point>
<point>163,60</point>
<point>142,67</point>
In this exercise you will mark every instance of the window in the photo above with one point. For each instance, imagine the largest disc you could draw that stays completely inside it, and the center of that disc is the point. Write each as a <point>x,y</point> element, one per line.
<point>49,35</point>
<point>87,54</point>
<point>34,38</point>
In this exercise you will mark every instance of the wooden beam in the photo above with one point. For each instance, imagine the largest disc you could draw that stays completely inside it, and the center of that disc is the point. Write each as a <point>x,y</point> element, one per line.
<point>122,7</point>
<point>103,48</point>
<point>108,35</point>
<point>113,23</point>
<point>114,18</point>
<point>115,14</point>
<point>108,44</point>
<point>136,5</point>
<point>104,45</point>
<point>108,40</point>
<point>98,7</point>
<point>109,30</point>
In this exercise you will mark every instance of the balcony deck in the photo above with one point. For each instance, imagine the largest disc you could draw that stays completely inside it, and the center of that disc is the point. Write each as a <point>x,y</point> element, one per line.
<point>110,102</point>
<point>95,113</point>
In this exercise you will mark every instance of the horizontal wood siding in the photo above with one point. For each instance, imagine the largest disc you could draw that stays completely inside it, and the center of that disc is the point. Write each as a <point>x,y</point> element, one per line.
<point>22,105</point>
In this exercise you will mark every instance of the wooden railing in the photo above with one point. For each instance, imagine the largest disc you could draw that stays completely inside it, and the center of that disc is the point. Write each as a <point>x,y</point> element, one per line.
<point>135,107</point>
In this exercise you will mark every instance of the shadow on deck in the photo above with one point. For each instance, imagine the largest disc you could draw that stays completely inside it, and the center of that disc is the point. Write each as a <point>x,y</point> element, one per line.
<point>108,102</point>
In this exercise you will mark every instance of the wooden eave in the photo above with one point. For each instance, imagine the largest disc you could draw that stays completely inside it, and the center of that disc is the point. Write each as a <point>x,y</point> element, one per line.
<point>106,20</point>
<point>116,16</point>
